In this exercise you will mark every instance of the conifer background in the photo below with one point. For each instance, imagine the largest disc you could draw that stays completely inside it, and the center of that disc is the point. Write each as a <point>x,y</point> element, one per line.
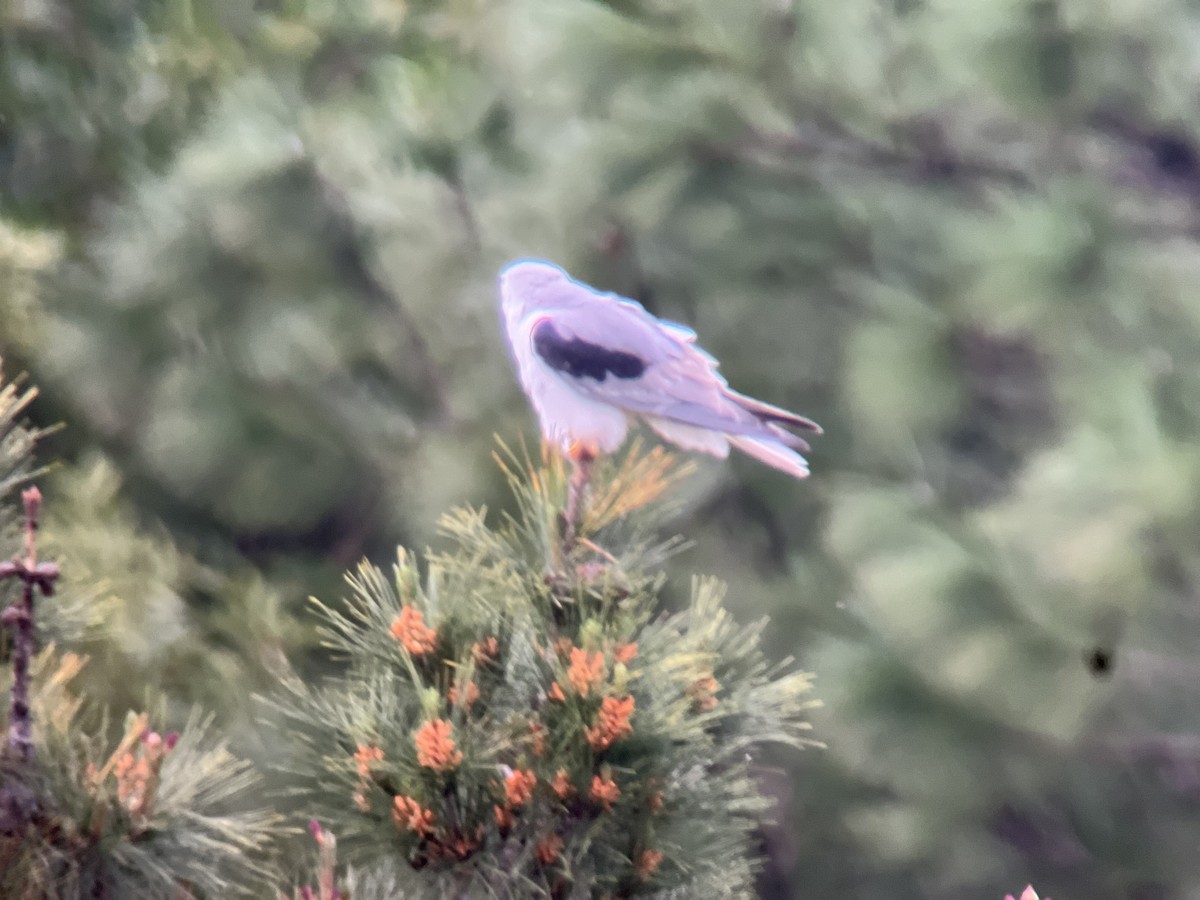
<point>247,252</point>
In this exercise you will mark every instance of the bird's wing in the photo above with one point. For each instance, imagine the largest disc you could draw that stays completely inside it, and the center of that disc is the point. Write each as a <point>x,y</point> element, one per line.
<point>613,351</point>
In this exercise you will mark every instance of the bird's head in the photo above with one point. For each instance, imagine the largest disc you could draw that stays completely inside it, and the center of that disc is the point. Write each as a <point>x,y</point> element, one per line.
<point>527,285</point>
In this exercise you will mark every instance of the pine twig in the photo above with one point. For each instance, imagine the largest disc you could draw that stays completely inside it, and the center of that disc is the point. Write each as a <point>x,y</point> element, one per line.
<point>18,806</point>
<point>581,476</point>
<point>19,617</point>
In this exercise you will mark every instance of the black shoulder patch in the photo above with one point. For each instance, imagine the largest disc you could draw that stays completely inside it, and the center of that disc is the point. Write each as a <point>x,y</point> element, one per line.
<point>579,359</point>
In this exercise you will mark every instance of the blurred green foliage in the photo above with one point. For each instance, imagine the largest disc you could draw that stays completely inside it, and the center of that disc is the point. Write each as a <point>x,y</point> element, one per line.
<point>248,251</point>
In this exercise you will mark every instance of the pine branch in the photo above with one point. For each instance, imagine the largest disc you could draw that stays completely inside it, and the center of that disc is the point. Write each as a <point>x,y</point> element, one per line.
<point>17,440</point>
<point>929,158</point>
<point>353,258</point>
<point>19,616</point>
<point>581,475</point>
<point>151,817</point>
<point>507,729</point>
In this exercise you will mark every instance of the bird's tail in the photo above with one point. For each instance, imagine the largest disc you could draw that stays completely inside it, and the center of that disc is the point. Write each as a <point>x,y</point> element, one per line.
<point>690,437</point>
<point>773,453</point>
<point>768,413</point>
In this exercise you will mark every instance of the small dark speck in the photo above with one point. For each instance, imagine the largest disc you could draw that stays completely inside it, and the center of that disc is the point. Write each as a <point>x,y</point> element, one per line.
<point>1174,155</point>
<point>1100,661</point>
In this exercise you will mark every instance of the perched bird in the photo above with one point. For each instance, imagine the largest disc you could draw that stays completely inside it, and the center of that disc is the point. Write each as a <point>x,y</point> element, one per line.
<point>590,361</point>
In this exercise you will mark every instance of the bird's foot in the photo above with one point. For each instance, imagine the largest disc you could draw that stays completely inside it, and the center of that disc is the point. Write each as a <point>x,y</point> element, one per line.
<point>581,452</point>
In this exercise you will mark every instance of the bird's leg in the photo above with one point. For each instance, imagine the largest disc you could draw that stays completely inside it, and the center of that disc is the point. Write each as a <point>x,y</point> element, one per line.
<point>582,459</point>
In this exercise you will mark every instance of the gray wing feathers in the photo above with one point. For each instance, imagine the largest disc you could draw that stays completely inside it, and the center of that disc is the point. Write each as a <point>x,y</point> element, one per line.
<point>680,382</point>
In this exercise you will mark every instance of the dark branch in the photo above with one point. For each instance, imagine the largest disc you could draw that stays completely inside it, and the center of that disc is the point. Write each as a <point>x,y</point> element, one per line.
<point>15,803</point>
<point>926,156</point>
<point>35,576</point>
<point>581,476</point>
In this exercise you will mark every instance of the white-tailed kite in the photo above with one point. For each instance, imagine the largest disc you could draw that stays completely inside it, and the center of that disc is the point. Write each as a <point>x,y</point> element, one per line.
<point>588,361</point>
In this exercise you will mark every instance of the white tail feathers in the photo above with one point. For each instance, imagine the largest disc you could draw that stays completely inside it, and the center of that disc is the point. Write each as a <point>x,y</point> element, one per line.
<point>773,454</point>
<point>690,437</point>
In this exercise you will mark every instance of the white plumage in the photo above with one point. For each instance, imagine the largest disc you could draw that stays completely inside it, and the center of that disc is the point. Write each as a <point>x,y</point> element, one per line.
<point>588,361</point>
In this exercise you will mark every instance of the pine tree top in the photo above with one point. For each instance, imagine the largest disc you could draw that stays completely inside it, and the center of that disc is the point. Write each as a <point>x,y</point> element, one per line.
<point>517,715</point>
